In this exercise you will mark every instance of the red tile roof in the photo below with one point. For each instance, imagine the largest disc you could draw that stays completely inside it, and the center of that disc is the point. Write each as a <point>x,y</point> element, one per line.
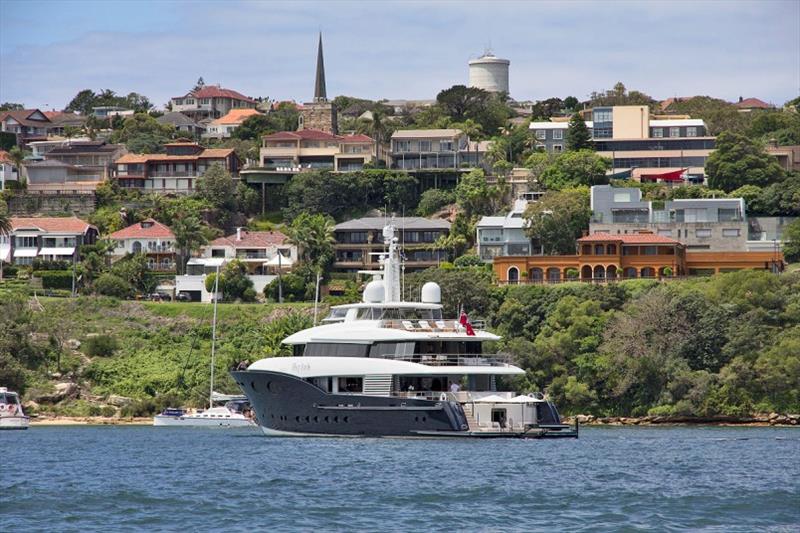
<point>22,116</point>
<point>5,157</point>
<point>356,139</point>
<point>147,229</point>
<point>631,238</point>
<point>51,224</point>
<point>236,116</point>
<point>213,91</point>
<point>251,239</point>
<point>749,103</point>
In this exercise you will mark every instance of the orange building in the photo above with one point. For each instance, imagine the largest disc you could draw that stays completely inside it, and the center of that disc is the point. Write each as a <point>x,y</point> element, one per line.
<point>603,256</point>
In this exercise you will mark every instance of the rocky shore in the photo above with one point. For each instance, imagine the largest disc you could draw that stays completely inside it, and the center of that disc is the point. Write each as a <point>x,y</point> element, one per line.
<point>43,420</point>
<point>770,419</point>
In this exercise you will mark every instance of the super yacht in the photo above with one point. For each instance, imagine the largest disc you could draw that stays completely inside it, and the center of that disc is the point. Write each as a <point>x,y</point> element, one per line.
<point>385,367</point>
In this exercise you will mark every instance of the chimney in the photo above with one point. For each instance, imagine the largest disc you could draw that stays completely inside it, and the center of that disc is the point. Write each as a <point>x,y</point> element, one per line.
<point>238,234</point>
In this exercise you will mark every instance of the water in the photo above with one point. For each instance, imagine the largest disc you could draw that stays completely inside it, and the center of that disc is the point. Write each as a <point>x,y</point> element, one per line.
<point>179,479</point>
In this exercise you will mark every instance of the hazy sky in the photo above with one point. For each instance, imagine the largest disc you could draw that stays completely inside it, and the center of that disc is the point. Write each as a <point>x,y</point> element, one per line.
<point>49,50</point>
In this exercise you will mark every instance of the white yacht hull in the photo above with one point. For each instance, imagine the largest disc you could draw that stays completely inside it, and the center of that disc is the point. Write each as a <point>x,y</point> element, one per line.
<point>194,421</point>
<point>14,422</point>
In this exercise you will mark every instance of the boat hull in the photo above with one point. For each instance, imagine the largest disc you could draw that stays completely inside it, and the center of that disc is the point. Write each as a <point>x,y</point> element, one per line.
<point>14,422</point>
<point>184,421</point>
<point>287,406</point>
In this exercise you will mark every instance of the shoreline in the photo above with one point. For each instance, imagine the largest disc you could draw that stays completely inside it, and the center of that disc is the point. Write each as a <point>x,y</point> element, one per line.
<point>786,421</point>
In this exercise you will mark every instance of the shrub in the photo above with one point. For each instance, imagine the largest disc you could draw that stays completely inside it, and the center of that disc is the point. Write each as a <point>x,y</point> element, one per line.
<point>55,279</point>
<point>468,260</point>
<point>111,285</point>
<point>42,264</point>
<point>572,273</point>
<point>433,200</point>
<point>100,345</point>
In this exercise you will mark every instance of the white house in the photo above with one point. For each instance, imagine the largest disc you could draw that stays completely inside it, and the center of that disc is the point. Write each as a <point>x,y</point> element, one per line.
<point>148,237</point>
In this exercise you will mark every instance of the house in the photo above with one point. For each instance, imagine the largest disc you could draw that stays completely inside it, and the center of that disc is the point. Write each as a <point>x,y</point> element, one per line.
<point>498,236</point>
<point>603,257</point>
<point>108,111</point>
<point>47,238</point>
<point>173,172</point>
<point>713,224</point>
<point>52,176</point>
<point>223,127</point>
<point>61,120</point>
<point>28,125</point>
<point>265,253</point>
<point>428,149</point>
<point>210,102</point>
<point>293,151</point>
<point>148,237</point>
<point>788,156</point>
<point>645,147</point>
<point>95,156</point>
<point>359,243</point>
<point>8,172</point>
<point>746,105</point>
<point>182,123</point>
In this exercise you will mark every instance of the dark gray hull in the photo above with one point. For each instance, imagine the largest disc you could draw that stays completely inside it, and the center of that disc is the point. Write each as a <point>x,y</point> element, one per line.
<point>285,404</point>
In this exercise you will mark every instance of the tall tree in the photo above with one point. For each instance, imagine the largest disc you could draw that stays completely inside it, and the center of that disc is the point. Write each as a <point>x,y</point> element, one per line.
<point>571,169</point>
<point>791,246</point>
<point>739,161</point>
<point>313,236</point>
<point>559,219</point>
<point>578,136</point>
<point>189,236</point>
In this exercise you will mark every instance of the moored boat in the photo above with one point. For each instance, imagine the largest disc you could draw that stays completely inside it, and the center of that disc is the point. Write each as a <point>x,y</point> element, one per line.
<point>11,414</point>
<point>387,367</point>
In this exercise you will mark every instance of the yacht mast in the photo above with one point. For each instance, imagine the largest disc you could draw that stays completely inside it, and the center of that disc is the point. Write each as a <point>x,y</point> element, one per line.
<point>213,339</point>
<point>391,265</point>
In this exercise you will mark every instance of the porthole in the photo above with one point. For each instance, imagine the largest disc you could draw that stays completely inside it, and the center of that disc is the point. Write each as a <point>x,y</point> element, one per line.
<point>326,420</point>
<point>297,419</point>
<point>253,385</point>
<point>346,419</point>
<point>335,419</point>
<point>307,420</point>
<point>424,418</point>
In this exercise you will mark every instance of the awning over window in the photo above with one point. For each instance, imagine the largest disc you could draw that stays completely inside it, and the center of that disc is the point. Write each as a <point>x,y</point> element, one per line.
<point>57,251</point>
<point>25,252</point>
<point>207,261</point>
<point>675,175</point>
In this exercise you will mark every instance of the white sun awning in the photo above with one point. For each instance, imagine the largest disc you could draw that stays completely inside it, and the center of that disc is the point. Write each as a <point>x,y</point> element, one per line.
<point>5,252</point>
<point>25,252</point>
<point>57,251</point>
<point>284,261</point>
<point>207,261</point>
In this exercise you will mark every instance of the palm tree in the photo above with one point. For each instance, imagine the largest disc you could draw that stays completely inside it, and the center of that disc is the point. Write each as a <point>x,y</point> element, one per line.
<point>189,236</point>
<point>313,236</point>
<point>5,229</point>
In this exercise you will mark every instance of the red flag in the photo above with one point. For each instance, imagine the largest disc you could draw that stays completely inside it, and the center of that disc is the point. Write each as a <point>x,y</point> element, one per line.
<point>464,321</point>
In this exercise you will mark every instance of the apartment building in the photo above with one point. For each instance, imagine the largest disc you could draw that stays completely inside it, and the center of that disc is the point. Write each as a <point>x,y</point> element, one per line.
<point>95,156</point>
<point>419,150</point>
<point>359,243</point>
<point>712,224</point>
<point>210,102</point>
<point>499,236</point>
<point>603,257</point>
<point>149,237</point>
<point>294,151</point>
<point>650,147</point>
<point>173,172</point>
<point>47,238</point>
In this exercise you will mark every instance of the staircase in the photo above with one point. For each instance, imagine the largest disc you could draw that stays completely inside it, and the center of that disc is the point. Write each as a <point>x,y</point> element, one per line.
<point>472,422</point>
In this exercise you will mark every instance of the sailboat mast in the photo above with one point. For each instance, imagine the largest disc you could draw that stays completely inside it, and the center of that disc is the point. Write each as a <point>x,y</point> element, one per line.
<point>213,339</point>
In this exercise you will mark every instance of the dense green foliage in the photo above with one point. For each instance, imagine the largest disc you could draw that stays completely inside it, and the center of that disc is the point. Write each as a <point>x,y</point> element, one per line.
<point>559,219</point>
<point>432,200</point>
<point>578,136</point>
<point>739,161</point>
<point>233,283</point>
<point>85,100</point>
<point>283,118</point>
<point>349,193</point>
<point>143,134</point>
<point>791,245</point>
<point>55,279</point>
<point>569,169</point>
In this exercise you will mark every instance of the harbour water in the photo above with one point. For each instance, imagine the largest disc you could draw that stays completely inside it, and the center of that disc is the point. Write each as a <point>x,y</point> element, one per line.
<point>102,478</point>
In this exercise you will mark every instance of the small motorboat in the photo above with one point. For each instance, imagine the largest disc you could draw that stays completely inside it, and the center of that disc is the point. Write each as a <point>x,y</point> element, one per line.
<point>232,414</point>
<point>11,415</point>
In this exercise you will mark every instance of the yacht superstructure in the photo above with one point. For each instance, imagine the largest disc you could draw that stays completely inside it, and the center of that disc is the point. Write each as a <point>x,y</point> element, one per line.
<point>386,367</point>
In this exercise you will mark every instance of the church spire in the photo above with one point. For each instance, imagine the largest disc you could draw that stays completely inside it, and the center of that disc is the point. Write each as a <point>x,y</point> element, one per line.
<point>320,93</point>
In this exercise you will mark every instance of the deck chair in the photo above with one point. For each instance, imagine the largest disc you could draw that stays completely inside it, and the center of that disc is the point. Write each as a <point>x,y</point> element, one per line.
<point>409,325</point>
<point>423,324</point>
<point>440,324</point>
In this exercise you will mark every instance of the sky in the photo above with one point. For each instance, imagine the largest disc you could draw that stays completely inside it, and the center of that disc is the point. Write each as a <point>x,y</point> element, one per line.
<point>50,50</point>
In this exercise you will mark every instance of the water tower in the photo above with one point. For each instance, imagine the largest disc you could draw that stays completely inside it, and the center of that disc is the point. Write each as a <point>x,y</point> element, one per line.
<point>489,73</point>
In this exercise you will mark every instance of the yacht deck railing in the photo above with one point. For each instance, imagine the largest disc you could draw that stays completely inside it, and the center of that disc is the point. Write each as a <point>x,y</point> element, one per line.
<point>430,325</point>
<point>451,359</point>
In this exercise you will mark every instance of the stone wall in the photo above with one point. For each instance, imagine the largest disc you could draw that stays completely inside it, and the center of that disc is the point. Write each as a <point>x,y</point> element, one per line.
<point>31,203</point>
<point>319,116</point>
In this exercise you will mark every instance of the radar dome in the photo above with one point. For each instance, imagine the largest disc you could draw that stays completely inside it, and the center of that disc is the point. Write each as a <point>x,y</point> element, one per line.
<point>374,292</point>
<point>431,293</point>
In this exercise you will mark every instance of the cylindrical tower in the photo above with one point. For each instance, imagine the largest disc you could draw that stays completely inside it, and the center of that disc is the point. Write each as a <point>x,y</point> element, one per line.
<point>489,73</point>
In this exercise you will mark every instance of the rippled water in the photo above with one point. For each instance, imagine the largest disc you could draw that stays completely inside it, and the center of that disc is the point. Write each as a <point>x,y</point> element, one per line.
<point>134,478</point>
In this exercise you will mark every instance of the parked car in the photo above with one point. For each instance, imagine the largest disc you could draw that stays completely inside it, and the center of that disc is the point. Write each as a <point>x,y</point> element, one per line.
<point>183,297</point>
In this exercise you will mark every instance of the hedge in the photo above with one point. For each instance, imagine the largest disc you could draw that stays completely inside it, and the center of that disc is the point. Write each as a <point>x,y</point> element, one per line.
<point>55,279</point>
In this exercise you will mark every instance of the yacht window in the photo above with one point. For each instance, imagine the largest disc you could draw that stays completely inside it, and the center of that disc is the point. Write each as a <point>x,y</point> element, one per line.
<point>391,350</point>
<point>411,314</point>
<point>331,349</point>
<point>337,314</point>
<point>369,313</point>
<point>351,384</point>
